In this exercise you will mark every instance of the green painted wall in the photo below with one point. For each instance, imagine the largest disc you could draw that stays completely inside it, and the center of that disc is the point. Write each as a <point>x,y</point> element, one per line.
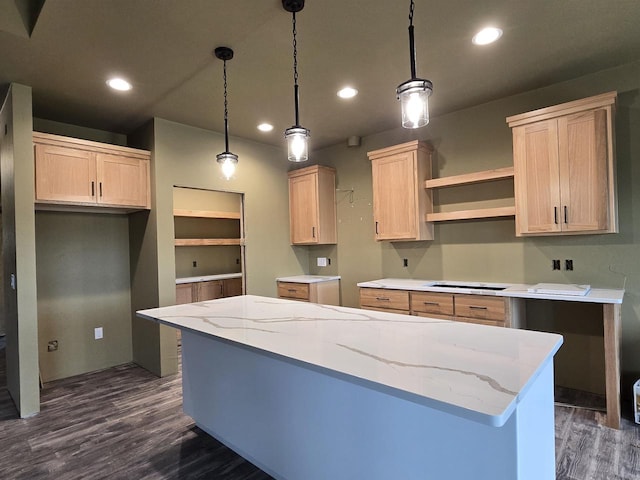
<point>83,283</point>
<point>18,249</point>
<point>487,250</point>
<point>185,156</point>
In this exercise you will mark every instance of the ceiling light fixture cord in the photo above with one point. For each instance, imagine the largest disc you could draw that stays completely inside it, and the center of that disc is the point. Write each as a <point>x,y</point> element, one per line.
<point>226,112</point>
<point>412,46</point>
<point>295,70</point>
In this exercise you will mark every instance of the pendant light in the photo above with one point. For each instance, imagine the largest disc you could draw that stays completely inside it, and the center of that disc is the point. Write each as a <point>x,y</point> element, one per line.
<point>297,136</point>
<point>226,159</point>
<point>414,93</point>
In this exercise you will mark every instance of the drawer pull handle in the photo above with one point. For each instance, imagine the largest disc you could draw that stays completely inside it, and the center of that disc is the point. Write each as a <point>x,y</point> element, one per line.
<point>475,307</point>
<point>383,299</point>
<point>292,290</point>
<point>431,303</point>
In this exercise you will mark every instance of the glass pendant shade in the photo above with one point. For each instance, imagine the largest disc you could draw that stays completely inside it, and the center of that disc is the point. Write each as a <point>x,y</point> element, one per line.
<point>297,144</point>
<point>228,162</point>
<point>414,100</point>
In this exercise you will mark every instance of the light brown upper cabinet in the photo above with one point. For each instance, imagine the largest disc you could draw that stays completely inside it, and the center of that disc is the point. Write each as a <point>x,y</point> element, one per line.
<point>312,206</point>
<point>71,171</point>
<point>400,201</point>
<point>564,168</point>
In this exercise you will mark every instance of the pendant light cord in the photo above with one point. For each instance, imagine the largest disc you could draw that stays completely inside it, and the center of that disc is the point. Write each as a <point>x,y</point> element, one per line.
<point>412,47</point>
<point>295,70</point>
<point>226,112</point>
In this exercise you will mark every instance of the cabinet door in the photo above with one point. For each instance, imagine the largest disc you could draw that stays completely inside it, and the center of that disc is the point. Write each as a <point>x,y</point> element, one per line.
<point>209,290</point>
<point>65,174</point>
<point>232,287</point>
<point>184,293</point>
<point>536,173</point>
<point>394,196</point>
<point>303,208</point>
<point>582,146</point>
<point>122,180</point>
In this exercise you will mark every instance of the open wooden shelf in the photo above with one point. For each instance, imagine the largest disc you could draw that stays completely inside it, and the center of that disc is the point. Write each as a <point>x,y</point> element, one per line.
<point>467,178</point>
<point>199,242</point>
<point>205,214</point>
<point>472,214</point>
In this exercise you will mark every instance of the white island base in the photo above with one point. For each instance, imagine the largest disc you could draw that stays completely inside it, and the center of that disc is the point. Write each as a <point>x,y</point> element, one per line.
<point>297,421</point>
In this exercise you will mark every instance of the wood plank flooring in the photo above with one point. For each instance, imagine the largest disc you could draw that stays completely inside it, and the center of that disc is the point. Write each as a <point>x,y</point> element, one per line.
<point>125,423</point>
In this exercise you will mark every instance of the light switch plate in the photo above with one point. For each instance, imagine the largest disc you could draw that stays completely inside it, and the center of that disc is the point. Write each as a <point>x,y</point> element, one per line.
<point>97,333</point>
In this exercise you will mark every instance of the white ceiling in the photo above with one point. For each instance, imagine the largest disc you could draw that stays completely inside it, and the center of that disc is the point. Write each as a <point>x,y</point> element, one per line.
<point>164,48</point>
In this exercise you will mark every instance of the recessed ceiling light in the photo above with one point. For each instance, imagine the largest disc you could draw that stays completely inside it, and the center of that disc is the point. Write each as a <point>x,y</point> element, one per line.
<point>487,35</point>
<point>347,92</point>
<point>119,84</point>
<point>265,127</point>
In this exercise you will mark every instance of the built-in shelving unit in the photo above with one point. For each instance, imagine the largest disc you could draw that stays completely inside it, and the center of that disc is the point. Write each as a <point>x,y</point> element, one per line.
<point>467,179</point>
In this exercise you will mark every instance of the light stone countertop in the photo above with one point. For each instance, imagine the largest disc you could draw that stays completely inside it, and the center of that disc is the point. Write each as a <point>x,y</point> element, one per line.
<point>595,295</point>
<point>207,278</point>
<point>308,278</point>
<point>472,371</point>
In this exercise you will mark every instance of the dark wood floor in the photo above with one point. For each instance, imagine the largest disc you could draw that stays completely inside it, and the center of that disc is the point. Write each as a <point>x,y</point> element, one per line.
<point>125,423</point>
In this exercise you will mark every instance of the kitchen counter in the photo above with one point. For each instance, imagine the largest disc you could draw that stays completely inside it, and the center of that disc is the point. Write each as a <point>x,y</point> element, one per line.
<point>308,278</point>
<point>302,373</point>
<point>610,299</point>
<point>207,278</point>
<point>595,295</point>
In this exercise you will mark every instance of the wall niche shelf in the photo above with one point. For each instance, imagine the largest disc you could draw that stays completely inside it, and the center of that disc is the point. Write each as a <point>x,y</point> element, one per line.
<point>203,242</point>
<point>205,214</point>
<point>468,179</point>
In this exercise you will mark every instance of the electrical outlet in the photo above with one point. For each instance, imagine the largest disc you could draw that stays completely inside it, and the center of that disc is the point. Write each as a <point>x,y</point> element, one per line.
<point>195,264</point>
<point>405,262</point>
<point>98,333</point>
<point>237,261</point>
<point>568,264</point>
<point>555,265</point>
<point>52,346</point>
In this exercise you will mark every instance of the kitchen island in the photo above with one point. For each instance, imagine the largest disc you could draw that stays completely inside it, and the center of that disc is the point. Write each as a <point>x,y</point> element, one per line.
<point>308,391</point>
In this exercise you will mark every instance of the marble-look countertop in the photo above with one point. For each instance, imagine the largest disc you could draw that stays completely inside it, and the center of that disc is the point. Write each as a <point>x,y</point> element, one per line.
<point>472,371</point>
<point>595,295</point>
<point>207,278</point>
<point>308,278</point>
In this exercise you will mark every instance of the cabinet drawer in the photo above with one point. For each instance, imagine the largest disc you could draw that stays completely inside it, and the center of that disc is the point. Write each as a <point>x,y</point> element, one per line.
<point>479,321</point>
<point>480,307</point>
<point>383,298</point>
<point>299,291</point>
<point>429,302</point>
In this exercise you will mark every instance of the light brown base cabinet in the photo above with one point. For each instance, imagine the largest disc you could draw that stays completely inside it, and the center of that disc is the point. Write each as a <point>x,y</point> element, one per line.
<point>326,293</point>
<point>482,309</point>
<point>208,290</point>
